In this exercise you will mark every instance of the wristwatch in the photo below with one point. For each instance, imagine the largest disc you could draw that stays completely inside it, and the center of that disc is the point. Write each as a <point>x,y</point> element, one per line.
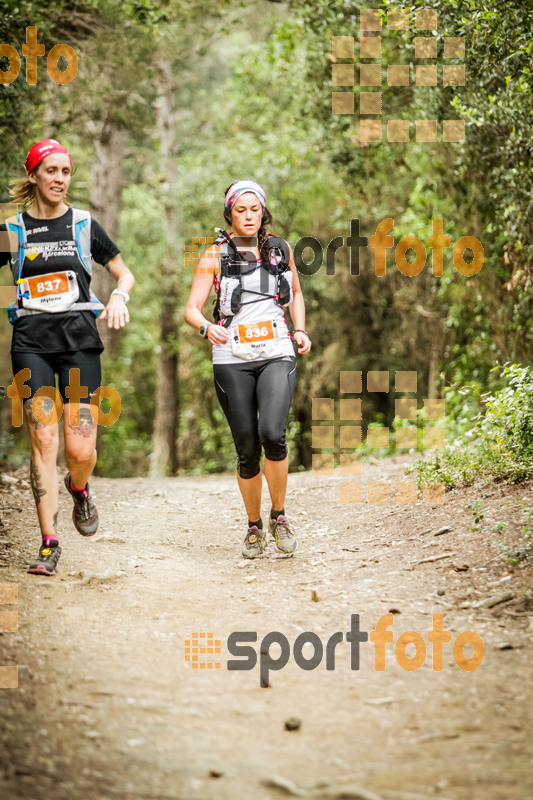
<point>203,329</point>
<point>122,293</point>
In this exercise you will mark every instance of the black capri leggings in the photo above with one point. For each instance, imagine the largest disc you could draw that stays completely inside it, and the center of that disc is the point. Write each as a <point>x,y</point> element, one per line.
<point>256,397</point>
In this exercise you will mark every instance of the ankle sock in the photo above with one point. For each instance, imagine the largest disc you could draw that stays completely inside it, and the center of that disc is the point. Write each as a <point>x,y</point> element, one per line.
<point>74,489</point>
<point>258,524</point>
<point>275,514</point>
<point>50,541</point>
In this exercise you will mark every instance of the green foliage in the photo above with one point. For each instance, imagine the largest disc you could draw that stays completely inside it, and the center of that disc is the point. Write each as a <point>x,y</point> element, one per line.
<point>477,513</point>
<point>508,420</point>
<point>522,555</point>
<point>22,106</point>
<point>502,436</point>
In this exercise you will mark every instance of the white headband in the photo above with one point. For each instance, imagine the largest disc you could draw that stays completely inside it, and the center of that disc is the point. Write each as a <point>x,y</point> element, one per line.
<point>241,187</point>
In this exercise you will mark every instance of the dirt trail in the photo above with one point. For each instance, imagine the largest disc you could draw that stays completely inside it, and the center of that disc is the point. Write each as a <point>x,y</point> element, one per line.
<point>107,707</point>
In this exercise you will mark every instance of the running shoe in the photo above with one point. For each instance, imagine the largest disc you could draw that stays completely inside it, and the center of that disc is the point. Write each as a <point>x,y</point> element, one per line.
<point>46,561</point>
<point>85,513</point>
<point>254,542</point>
<point>284,538</point>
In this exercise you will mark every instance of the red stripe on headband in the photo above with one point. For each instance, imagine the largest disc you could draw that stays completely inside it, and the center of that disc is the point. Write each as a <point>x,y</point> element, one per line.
<point>230,202</point>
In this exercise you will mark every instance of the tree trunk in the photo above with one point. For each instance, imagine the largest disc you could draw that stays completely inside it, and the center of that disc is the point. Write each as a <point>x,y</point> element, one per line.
<point>106,200</point>
<point>52,111</point>
<point>433,377</point>
<point>164,458</point>
<point>436,339</point>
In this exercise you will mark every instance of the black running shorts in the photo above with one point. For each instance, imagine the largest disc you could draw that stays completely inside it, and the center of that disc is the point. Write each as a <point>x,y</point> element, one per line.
<point>44,369</point>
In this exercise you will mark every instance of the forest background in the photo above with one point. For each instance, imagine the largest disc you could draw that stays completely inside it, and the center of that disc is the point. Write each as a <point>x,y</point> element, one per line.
<point>174,100</point>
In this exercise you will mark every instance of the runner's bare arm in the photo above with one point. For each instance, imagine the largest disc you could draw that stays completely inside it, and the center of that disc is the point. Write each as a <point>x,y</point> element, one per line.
<point>297,311</point>
<point>116,311</point>
<point>201,286</point>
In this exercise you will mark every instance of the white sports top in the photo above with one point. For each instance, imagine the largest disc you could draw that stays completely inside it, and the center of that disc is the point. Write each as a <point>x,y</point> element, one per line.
<point>258,330</point>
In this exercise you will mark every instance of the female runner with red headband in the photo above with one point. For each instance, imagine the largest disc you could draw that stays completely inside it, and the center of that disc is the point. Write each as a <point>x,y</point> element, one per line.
<point>54,332</point>
<point>253,358</point>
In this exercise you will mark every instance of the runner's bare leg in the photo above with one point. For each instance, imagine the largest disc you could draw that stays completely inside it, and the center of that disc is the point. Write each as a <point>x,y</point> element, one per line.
<point>43,467</point>
<point>80,442</point>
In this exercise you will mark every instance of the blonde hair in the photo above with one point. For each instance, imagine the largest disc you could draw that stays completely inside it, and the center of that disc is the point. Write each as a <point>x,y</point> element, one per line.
<point>23,190</point>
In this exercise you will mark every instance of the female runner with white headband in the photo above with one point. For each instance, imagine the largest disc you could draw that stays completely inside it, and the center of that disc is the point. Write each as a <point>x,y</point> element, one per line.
<point>253,357</point>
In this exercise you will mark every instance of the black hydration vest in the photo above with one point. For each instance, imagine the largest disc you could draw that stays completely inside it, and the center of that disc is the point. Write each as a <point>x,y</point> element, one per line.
<point>233,265</point>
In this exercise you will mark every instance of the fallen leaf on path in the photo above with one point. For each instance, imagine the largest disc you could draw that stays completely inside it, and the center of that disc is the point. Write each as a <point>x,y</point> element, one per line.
<point>99,577</point>
<point>495,600</point>
<point>460,567</point>
<point>435,558</point>
<point>284,785</point>
<point>430,737</point>
<point>380,701</point>
<point>444,529</point>
<point>350,793</point>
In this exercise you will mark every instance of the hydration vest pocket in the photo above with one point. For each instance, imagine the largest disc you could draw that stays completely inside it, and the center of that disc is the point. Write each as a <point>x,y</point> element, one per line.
<point>230,295</point>
<point>285,293</point>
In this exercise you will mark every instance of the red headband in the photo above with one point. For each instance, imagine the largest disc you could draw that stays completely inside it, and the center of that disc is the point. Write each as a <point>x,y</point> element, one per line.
<point>42,150</point>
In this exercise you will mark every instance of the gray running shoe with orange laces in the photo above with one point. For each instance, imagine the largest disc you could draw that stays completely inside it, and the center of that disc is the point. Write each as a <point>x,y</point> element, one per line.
<point>284,538</point>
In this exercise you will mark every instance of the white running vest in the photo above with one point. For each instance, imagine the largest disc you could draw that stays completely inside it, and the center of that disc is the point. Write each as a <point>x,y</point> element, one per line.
<point>258,330</point>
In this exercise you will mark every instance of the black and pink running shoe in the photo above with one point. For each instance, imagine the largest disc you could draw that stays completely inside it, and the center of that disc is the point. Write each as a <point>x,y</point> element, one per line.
<point>46,561</point>
<point>85,513</point>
